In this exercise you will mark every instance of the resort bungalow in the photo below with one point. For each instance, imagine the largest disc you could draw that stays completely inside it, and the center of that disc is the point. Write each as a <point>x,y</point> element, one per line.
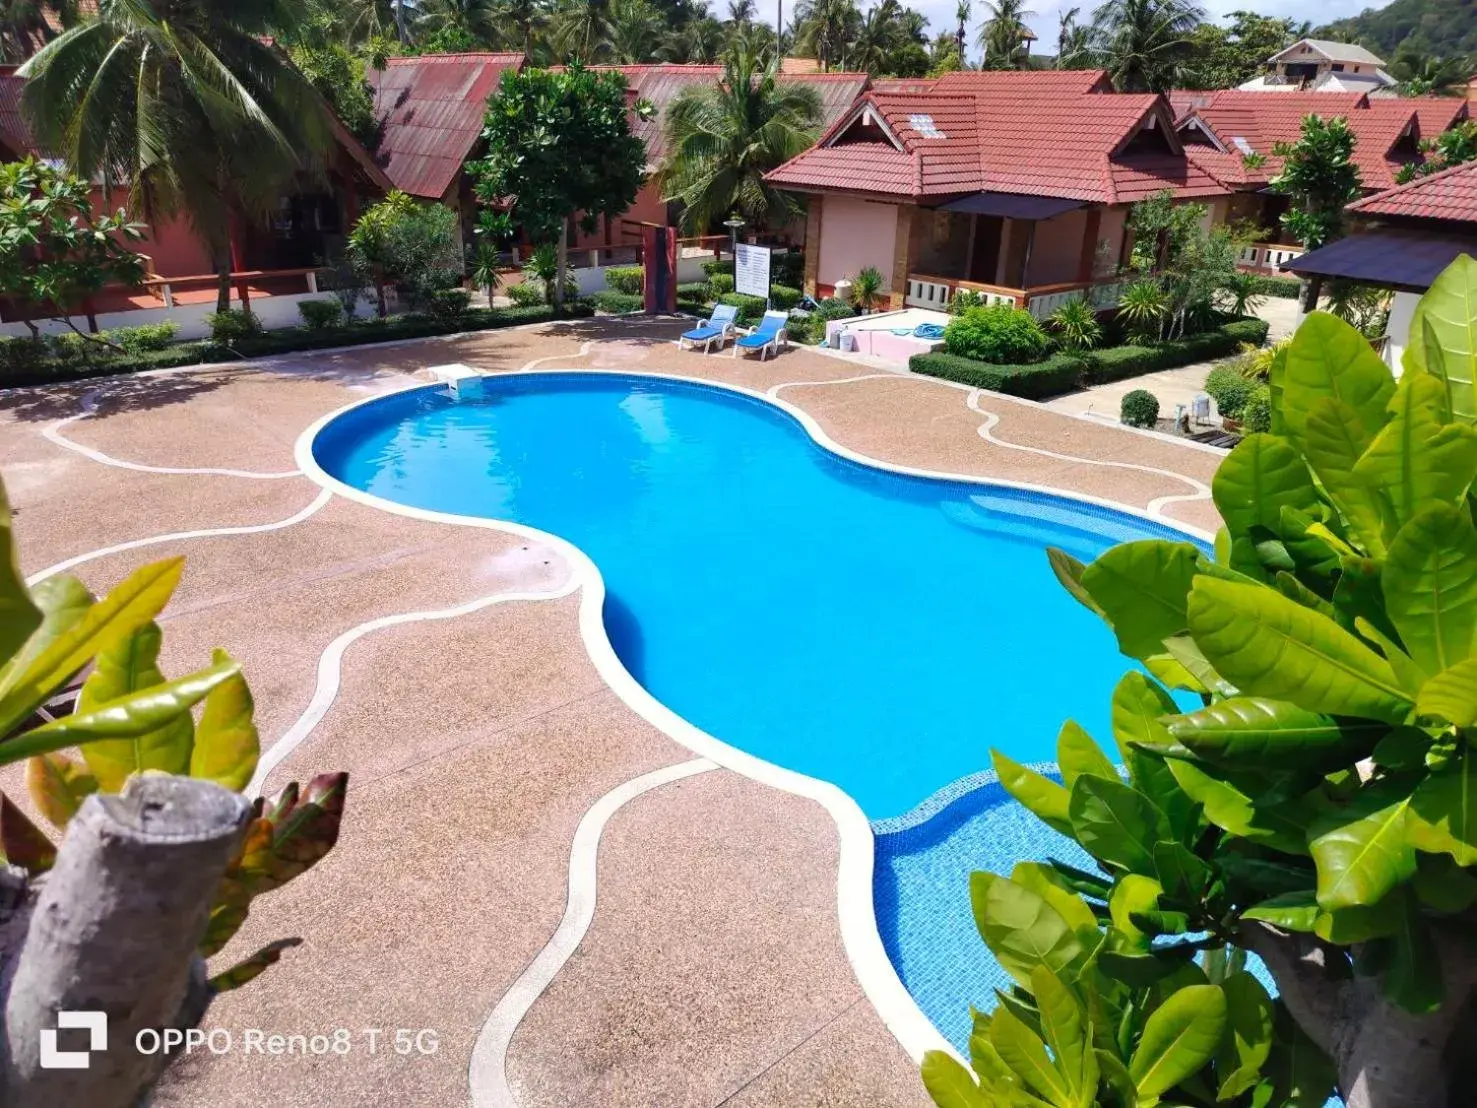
<point>1016,185</point>
<point>1233,135</point>
<point>1402,240</point>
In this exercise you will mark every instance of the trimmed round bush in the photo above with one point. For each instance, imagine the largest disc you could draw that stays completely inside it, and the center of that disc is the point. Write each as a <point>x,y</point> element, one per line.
<point>233,325</point>
<point>751,308</point>
<point>1229,390</point>
<point>321,314</point>
<point>720,284</point>
<point>145,338</point>
<point>450,303</point>
<point>833,307</point>
<point>1140,408</point>
<point>1257,413</point>
<point>526,294</point>
<point>999,334</point>
<point>783,297</point>
<point>625,278</point>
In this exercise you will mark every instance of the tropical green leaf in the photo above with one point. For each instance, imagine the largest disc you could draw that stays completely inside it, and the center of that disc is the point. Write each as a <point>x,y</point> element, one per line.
<point>1360,924</point>
<point>1141,588</point>
<point>131,665</point>
<point>1257,479</point>
<point>1252,732</point>
<point>1116,824</point>
<point>1133,894</point>
<point>1430,586</point>
<point>1115,1073</point>
<point>1445,322</point>
<point>1451,695</point>
<point>1232,810</point>
<point>1182,649</point>
<point>1077,753</point>
<point>1328,359</point>
<point>1040,795</point>
<point>1142,971</point>
<point>1442,885</point>
<point>1291,911</point>
<point>19,616</point>
<point>58,785</point>
<point>1026,1055</point>
<point>1271,647</point>
<point>1334,439</point>
<point>1048,884</point>
<point>1069,572</point>
<point>1250,1016</point>
<point>1443,810</point>
<point>1413,977</point>
<point>1362,850</point>
<point>1021,928</point>
<point>949,1083</point>
<point>1070,1041</point>
<point>1185,877</point>
<point>1179,1037</point>
<point>1302,1075</point>
<point>1139,708</point>
<point>1416,462</point>
<point>226,747</point>
<point>63,601</point>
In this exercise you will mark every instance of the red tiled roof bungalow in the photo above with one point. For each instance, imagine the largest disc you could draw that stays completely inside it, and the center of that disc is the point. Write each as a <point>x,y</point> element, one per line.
<point>1228,126</point>
<point>1401,239</point>
<point>1016,184</point>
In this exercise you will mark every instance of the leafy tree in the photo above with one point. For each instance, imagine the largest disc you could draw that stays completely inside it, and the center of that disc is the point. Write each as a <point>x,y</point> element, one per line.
<point>1191,264</point>
<point>1441,27</point>
<point>1073,41</point>
<point>187,104</point>
<point>1004,33</point>
<point>581,29</point>
<point>1453,147</point>
<point>539,174</point>
<point>1145,44</point>
<point>636,32</point>
<point>1318,807</point>
<point>476,21</point>
<point>341,77</point>
<point>54,251</point>
<point>724,138</point>
<point>408,245</point>
<point>1319,175</point>
<point>1224,57</point>
<point>1422,74</point>
<point>521,25</point>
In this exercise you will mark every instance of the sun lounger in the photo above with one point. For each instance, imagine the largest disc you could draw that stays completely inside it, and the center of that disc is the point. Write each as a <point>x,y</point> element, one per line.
<point>766,337</point>
<point>717,329</point>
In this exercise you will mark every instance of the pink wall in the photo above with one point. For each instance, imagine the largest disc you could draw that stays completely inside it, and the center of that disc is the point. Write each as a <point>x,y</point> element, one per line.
<point>1056,251</point>
<point>649,207</point>
<point>170,242</point>
<point>855,234</point>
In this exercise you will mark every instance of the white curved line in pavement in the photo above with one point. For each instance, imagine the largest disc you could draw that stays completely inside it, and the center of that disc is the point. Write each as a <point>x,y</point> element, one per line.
<point>319,502</point>
<point>53,433</point>
<point>331,664</point>
<point>487,1073</point>
<point>774,390</point>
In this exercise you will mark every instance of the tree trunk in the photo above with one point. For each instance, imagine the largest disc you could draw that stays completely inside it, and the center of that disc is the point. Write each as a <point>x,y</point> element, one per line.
<point>400,21</point>
<point>562,254</point>
<point>223,283</point>
<point>1386,1057</point>
<point>383,303</point>
<point>114,931</point>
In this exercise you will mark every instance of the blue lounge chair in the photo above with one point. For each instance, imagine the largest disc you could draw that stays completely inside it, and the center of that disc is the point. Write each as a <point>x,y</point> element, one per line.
<point>767,336</point>
<point>718,329</point>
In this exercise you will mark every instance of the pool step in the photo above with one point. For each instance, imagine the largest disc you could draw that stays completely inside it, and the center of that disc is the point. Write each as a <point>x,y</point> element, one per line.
<point>460,380</point>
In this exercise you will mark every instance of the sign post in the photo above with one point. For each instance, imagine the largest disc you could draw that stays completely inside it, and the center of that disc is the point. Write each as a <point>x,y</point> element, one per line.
<point>751,270</point>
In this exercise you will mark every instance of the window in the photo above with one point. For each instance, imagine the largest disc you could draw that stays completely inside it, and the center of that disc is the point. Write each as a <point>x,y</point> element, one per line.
<point>1338,67</point>
<point>925,126</point>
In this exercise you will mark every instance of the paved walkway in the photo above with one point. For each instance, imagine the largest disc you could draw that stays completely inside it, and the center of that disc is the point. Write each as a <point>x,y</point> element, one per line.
<point>480,735</point>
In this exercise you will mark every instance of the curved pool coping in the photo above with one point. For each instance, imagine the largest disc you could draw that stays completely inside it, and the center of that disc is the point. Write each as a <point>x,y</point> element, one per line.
<point>856,909</point>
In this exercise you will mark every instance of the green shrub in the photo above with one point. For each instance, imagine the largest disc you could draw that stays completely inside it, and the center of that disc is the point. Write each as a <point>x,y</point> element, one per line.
<point>1140,408</point>
<point>693,290</point>
<point>751,308</point>
<point>145,338</point>
<point>965,299</point>
<point>720,284</point>
<point>72,347</point>
<point>806,329</point>
<point>788,268</point>
<point>21,354</point>
<point>1229,389</point>
<point>617,303</point>
<point>527,293</point>
<point>1076,324</point>
<point>625,278</point>
<point>233,325</point>
<point>1057,374</point>
<point>450,303</point>
<point>783,297</point>
<point>833,307</point>
<point>1116,363</point>
<point>1256,414</point>
<point>1285,288</point>
<point>998,334</point>
<point>715,267</point>
<point>318,314</point>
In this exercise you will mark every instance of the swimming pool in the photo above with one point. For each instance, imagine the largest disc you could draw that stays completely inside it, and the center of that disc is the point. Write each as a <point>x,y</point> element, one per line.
<point>876,630</point>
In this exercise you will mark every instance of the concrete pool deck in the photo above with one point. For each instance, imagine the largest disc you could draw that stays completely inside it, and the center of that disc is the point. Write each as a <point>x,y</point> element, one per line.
<point>479,734</point>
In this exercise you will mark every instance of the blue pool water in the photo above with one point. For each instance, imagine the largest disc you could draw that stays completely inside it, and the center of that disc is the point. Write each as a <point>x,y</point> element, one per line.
<point>875,630</point>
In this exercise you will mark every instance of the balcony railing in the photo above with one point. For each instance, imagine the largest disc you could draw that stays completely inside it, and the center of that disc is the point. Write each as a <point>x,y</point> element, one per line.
<point>925,291</point>
<point>1267,256</point>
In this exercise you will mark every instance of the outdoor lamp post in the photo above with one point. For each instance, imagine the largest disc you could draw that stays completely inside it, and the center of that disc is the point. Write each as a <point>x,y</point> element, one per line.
<point>733,223</point>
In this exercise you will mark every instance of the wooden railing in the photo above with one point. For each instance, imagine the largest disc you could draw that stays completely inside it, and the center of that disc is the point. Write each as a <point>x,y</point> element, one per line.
<point>165,287</point>
<point>926,291</point>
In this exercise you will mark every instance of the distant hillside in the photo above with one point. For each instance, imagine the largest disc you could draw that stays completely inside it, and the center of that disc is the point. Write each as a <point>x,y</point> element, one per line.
<point>1441,27</point>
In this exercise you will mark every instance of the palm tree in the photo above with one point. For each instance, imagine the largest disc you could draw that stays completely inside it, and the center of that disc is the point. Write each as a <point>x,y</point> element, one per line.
<point>636,31</point>
<point>1145,44</point>
<point>521,24</point>
<point>962,13</point>
<point>1422,74</point>
<point>700,40</point>
<point>477,18</point>
<point>740,11</point>
<point>1005,34</point>
<point>876,38</point>
<point>1073,42</point>
<point>724,138</point>
<point>185,102</point>
<point>582,29</point>
<point>829,28</point>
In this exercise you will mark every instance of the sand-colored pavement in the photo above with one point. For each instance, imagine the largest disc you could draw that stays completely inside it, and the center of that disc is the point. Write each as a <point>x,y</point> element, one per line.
<point>478,734</point>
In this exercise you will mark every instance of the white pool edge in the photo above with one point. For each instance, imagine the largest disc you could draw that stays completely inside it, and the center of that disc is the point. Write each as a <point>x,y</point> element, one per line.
<point>856,908</point>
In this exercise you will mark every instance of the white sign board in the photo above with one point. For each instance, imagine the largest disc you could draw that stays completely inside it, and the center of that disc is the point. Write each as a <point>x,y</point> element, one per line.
<point>751,270</point>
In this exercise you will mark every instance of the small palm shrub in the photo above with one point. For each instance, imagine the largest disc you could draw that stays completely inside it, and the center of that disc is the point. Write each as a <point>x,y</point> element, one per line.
<point>1229,389</point>
<point>1076,325</point>
<point>233,325</point>
<point>1242,295</point>
<point>625,278</point>
<point>998,334</point>
<point>1140,408</point>
<point>1143,310</point>
<point>319,315</point>
<point>867,288</point>
<point>1258,362</point>
<point>483,271</point>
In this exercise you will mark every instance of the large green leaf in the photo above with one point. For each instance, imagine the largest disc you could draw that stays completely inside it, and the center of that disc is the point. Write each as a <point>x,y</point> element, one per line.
<point>63,601</point>
<point>1141,588</point>
<point>1328,359</point>
<point>1132,894</point>
<point>1139,706</point>
<point>1065,1032</point>
<point>128,666</point>
<point>1077,753</point>
<point>135,602</point>
<point>1021,928</point>
<point>1334,439</point>
<point>1251,732</point>
<point>1250,1016</point>
<point>1443,810</point>
<point>58,785</point>
<point>1026,1054</point>
<point>1116,824</point>
<point>1413,978</point>
<point>1447,313</point>
<point>1232,810</point>
<point>1069,572</point>
<point>1451,695</point>
<point>1181,1036</point>
<point>226,746</point>
<point>1415,462</point>
<point>1048,884</point>
<point>1430,586</point>
<point>949,1083</point>
<point>1270,646</point>
<point>1362,850</point>
<point>1257,479</point>
<point>1040,795</point>
<point>18,615</point>
<point>1291,911</point>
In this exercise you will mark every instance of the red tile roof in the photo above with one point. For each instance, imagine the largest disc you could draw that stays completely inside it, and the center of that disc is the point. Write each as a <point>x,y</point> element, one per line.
<point>1035,133</point>
<point>1449,195</point>
<point>431,108</point>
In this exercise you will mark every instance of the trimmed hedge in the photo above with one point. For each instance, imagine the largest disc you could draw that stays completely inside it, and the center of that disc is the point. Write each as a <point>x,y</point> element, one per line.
<point>1116,363</point>
<point>290,339</point>
<point>617,303</point>
<point>1057,374</point>
<point>624,278</point>
<point>751,308</point>
<point>1285,288</point>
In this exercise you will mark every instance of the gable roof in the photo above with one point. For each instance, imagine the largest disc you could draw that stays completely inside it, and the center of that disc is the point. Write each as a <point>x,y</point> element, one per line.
<point>431,110</point>
<point>1333,51</point>
<point>1046,133</point>
<point>1450,195</point>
